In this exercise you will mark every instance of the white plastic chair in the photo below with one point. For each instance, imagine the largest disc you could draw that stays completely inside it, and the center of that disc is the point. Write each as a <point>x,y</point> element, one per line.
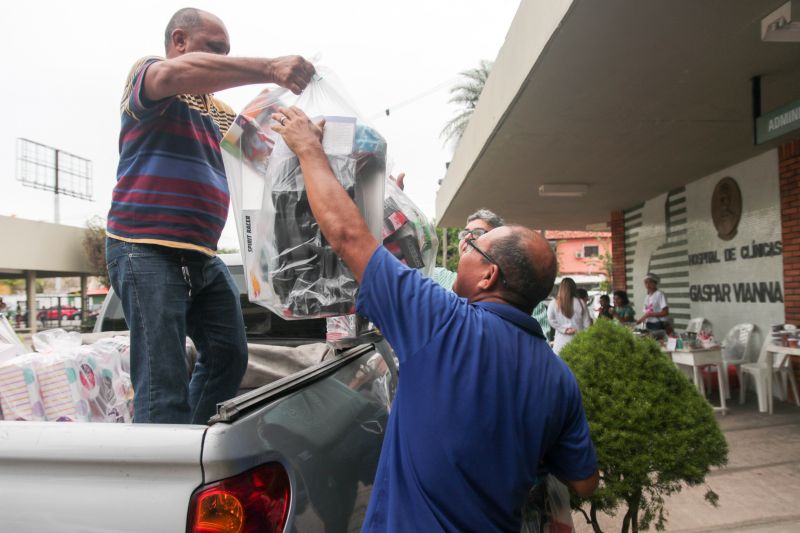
<point>784,371</point>
<point>763,376</point>
<point>761,373</point>
<point>696,325</point>
<point>737,348</point>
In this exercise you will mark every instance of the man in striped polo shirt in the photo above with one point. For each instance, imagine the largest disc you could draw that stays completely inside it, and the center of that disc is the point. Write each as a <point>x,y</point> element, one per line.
<point>169,207</point>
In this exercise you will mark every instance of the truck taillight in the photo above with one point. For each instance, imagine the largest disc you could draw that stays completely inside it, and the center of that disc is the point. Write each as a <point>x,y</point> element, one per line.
<point>255,501</point>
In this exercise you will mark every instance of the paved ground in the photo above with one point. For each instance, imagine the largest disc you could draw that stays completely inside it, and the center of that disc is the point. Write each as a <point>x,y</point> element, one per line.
<point>759,490</point>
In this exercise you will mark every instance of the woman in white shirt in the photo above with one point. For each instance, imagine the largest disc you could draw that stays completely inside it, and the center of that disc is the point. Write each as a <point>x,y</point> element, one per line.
<point>656,308</point>
<point>567,314</point>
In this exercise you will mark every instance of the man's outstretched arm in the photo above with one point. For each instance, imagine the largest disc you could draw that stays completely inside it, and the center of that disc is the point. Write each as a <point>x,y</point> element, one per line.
<point>337,215</point>
<point>203,73</point>
<point>583,487</point>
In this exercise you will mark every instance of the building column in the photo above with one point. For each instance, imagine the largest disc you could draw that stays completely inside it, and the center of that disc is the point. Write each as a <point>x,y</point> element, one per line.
<point>789,172</point>
<point>84,300</point>
<point>30,289</point>
<point>617,224</point>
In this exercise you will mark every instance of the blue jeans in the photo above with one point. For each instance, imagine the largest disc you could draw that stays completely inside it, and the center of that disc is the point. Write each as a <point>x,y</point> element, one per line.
<point>167,294</point>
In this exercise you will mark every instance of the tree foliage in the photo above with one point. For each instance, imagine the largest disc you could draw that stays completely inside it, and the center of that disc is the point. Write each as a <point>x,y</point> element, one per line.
<point>14,285</point>
<point>94,244</point>
<point>605,264</point>
<point>452,248</point>
<point>466,95</point>
<point>652,430</point>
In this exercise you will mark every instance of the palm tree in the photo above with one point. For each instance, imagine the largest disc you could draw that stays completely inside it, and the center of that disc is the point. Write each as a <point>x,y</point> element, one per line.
<point>466,94</point>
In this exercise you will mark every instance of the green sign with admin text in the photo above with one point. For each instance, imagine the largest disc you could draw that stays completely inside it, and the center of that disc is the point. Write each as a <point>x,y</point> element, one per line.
<point>778,122</point>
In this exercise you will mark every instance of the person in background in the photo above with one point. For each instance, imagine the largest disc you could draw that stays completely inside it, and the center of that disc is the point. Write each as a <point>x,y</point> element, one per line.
<point>168,209</point>
<point>483,401</point>
<point>604,311</point>
<point>3,306</point>
<point>540,314</point>
<point>583,295</point>
<point>655,308</point>
<point>478,223</point>
<point>567,314</point>
<point>623,310</point>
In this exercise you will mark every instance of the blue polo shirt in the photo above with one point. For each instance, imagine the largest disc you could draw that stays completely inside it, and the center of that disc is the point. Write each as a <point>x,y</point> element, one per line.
<point>482,405</point>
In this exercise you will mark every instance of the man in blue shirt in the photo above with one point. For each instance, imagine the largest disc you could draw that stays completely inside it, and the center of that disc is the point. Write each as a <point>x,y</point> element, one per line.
<point>483,404</point>
<point>478,223</point>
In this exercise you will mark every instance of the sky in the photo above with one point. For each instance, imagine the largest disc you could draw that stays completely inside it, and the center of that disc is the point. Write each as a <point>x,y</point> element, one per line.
<point>66,63</point>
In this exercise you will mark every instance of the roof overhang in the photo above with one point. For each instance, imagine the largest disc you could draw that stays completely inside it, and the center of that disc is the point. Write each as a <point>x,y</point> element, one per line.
<point>631,99</point>
<point>49,250</point>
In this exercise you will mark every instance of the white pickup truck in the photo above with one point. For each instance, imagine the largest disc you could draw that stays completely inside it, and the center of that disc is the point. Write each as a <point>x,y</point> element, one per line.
<point>296,454</point>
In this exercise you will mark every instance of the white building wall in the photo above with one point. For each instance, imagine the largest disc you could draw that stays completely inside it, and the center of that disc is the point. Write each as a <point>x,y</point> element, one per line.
<point>760,223</point>
<point>667,233</point>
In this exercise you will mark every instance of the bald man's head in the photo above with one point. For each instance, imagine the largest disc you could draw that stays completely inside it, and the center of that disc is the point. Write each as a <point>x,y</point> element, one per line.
<point>527,260</point>
<point>190,21</point>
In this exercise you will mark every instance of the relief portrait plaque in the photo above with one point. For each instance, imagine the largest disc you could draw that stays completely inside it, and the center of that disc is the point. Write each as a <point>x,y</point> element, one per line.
<point>726,208</point>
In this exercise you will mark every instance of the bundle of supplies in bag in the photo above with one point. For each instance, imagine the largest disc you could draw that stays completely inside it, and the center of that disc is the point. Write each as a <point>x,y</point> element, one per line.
<point>65,381</point>
<point>407,232</point>
<point>10,345</point>
<point>290,267</point>
<point>19,390</point>
<point>411,238</point>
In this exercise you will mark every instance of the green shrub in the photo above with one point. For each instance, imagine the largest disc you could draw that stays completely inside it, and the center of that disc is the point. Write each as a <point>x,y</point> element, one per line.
<point>652,430</point>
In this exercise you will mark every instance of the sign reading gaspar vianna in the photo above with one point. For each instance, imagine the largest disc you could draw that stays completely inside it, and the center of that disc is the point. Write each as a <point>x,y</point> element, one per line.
<point>778,122</point>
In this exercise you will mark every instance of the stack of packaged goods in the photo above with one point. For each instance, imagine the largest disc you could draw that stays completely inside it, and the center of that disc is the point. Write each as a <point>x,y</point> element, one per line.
<point>64,381</point>
<point>291,269</point>
<point>19,391</point>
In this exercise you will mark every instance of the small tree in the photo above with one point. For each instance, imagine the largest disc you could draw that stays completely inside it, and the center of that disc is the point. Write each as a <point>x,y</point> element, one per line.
<point>94,244</point>
<point>652,430</point>
<point>607,268</point>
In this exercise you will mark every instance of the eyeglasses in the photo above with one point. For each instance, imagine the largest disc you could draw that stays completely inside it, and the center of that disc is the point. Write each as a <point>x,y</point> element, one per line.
<point>477,232</point>
<point>471,242</point>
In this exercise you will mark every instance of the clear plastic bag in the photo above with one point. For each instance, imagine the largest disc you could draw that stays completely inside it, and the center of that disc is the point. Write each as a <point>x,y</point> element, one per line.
<point>112,391</point>
<point>290,267</point>
<point>407,232</point>
<point>547,509</point>
<point>65,381</point>
<point>347,331</point>
<point>9,336</point>
<point>411,238</point>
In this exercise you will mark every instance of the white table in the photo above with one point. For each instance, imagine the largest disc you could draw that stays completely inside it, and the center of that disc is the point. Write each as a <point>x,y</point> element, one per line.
<point>698,358</point>
<point>785,361</point>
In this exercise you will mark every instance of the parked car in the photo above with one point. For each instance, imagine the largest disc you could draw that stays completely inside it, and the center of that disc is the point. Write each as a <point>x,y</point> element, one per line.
<point>66,312</point>
<point>295,453</point>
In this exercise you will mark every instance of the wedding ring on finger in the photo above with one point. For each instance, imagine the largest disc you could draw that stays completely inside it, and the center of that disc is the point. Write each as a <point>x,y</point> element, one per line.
<point>282,120</point>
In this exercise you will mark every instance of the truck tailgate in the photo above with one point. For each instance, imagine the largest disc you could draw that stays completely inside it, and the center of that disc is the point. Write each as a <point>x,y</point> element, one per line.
<point>57,477</point>
<point>325,426</point>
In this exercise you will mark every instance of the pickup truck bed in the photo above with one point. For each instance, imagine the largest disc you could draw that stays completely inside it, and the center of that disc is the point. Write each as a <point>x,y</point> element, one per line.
<point>322,426</point>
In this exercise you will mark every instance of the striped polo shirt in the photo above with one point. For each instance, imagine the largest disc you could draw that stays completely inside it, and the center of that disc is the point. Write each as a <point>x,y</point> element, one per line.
<point>171,187</point>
